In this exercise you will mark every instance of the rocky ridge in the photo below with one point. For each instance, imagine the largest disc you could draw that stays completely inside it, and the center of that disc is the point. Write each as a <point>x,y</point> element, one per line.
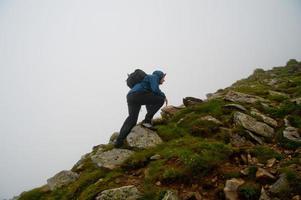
<point>242,142</point>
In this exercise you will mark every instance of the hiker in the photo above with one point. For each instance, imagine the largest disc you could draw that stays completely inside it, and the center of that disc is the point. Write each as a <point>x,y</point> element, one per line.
<point>148,93</point>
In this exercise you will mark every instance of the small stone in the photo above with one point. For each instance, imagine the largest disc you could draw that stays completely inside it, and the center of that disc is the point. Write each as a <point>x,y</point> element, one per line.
<point>231,187</point>
<point>155,157</point>
<point>113,138</point>
<point>211,119</point>
<point>256,138</point>
<point>158,183</point>
<point>271,162</point>
<point>191,101</point>
<point>123,193</point>
<point>292,133</point>
<point>262,173</point>
<point>244,158</point>
<point>264,195</point>
<point>296,197</point>
<point>235,106</point>
<point>245,171</point>
<point>171,195</point>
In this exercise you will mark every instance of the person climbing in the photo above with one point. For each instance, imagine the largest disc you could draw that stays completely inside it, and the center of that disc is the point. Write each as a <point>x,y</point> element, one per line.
<point>148,93</point>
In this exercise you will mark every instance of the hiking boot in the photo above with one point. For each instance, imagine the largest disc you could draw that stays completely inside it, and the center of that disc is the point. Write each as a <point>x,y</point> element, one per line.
<point>118,145</point>
<point>148,125</point>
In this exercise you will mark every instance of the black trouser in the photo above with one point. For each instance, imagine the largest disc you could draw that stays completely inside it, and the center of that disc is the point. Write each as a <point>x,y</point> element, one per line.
<point>135,100</point>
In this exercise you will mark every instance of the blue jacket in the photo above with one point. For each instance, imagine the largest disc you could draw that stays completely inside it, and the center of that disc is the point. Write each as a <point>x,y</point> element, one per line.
<point>150,83</point>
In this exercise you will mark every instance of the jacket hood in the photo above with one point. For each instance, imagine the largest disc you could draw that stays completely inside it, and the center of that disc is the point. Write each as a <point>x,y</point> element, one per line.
<point>159,73</point>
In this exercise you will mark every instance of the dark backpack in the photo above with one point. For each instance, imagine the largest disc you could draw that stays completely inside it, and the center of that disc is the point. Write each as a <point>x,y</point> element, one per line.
<point>136,77</point>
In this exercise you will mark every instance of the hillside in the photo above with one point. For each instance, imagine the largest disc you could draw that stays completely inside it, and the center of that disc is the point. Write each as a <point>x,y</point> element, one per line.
<point>242,142</point>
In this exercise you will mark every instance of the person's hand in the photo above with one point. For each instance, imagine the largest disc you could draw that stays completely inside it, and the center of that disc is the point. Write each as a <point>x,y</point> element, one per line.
<point>166,102</point>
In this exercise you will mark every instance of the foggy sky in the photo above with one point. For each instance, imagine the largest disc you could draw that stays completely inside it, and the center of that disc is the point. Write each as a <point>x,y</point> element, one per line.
<point>63,65</point>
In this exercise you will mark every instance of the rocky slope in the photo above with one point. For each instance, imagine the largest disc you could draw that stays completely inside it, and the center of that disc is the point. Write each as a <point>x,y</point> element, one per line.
<point>242,142</point>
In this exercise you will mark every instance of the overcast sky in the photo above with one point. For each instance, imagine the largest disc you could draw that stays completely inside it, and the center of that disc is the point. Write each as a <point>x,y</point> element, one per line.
<point>63,65</point>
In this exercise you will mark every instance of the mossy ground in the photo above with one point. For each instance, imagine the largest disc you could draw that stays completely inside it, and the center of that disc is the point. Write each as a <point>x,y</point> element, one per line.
<point>195,151</point>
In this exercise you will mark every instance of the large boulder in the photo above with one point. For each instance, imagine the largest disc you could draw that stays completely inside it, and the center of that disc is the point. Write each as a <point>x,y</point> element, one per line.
<point>253,125</point>
<point>243,98</point>
<point>268,120</point>
<point>112,158</point>
<point>61,179</point>
<point>123,193</point>
<point>143,138</point>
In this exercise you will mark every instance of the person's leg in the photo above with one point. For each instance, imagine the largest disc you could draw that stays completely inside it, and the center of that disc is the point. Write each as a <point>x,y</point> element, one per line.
<point>152,102</point>
<point>152,109</point>
<point>129,123</point>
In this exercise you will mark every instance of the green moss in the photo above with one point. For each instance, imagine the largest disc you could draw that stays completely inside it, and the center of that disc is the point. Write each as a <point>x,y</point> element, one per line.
<point>285,108</point>
<point>33,194</point>
<point>249,191</point>
<point>150,192</point>
<point>139,159</point>
<point>294,179</point>
<point>295,120</point>
<point>171,131</point>
<point>253,89</point>
<point>173,174</point>
<point>284,142</point>
<point>107,182</point>
<point>264,153</point>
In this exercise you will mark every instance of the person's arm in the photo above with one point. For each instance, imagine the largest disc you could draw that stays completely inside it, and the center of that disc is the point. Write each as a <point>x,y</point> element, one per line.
<point>154,84</point>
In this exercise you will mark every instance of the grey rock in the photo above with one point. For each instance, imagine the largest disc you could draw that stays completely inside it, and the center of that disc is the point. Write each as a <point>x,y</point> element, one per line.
<point>275,93</point>
<point>272,82</point>
<point>112,158</point>
<point>292,133</point>
<point>123,193</point>
<point>268,120</point>
<point>235,106</point>
<point>61,179</point>
<point>281,185</point>
<point>271,162</point>
<point>191,101</point>
<point>169,111</point>
<point>296,100</point>
<point>211,119</point>
<point>214,95</point>
<point>264,195</point>
<point>243,98</point>
<point>239,141</point>
<point>256,138</point>
<point>231,187</point>
<point>113,138</point>
<point>170,195</point>
<point>79,164</point>
<point>143,138</point>
<point>253,125</point>
<point>262,173</point>
<point>286,121</point>
<point>156,157</point>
